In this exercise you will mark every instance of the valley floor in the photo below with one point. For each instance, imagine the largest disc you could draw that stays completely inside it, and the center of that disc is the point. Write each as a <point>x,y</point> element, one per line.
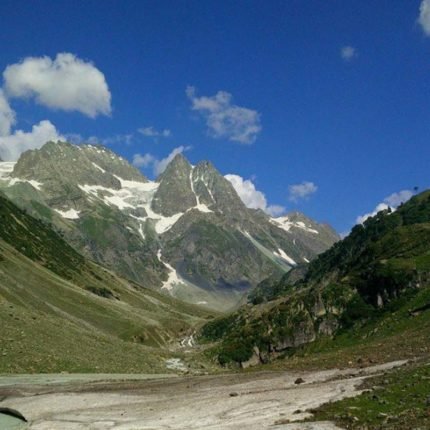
<point>257,400</point>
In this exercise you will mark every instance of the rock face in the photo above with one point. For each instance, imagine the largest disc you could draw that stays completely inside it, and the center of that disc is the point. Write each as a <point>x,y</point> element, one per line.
<point>174,194</point>
<point>187,233</point>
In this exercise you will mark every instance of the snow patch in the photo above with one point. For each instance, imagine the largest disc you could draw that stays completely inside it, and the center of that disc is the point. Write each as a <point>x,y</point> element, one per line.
<point>282,254</point>
<point>69,214</point>
<point>202,208</point>
<point>199,206</point>
<point>137,194</point>
<point>35,184</point>
<point>98,167</point>
<point>173,278</point>
<point>285,224</point>
<point>6,168</point>
<point>192,186</point>
<point>32,182</point>
<point>119,201</point>
<point>141,231</point>
<point>166,223</point>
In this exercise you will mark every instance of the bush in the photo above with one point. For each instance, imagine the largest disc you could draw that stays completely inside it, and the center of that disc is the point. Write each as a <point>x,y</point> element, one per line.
<point>216,329</point>
<point>356,310</point>
<point>236,351</point>
<point>100,291</point>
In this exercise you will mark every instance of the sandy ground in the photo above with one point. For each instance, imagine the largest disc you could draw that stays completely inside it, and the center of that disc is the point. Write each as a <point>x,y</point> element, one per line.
<point>223,402</point>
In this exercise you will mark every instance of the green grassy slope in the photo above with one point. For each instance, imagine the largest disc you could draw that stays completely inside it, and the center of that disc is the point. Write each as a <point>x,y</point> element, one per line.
<point>398,400</point>
<point>369,292</point>
<point>61,312</point>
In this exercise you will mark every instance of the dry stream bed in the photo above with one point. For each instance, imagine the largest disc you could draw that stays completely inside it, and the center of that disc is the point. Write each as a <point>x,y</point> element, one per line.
<point>263,400</point>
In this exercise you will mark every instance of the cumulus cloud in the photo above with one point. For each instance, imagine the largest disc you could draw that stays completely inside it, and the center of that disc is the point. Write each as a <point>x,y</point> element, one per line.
<point>348,53</point>
<point>391,202</point>
<point>251,197</point>
<point>424,18</point>
<point>158,166</point>
<point>275,210</point>
<point>7,115</point>
<point>247,192</point>
<point>13,145</point>
<point>152,132</point>
<point>145,160</point>
<point>224,119</point>
<point>301,191</point>
<point>66,83</point>
<point>396,199</point>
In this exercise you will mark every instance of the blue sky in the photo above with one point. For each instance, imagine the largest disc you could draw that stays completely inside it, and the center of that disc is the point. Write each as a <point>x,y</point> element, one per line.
<point>324,106</point>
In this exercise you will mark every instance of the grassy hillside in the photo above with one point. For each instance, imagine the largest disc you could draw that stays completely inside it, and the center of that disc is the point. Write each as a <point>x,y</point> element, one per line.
<point>375,284</point>
<point>399,400</point>
<point>61,312</point>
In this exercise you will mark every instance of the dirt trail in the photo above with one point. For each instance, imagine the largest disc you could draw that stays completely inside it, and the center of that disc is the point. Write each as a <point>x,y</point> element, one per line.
<point>224,402</point>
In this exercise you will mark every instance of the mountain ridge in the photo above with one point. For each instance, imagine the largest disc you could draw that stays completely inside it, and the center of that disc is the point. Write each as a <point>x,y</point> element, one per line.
<point>381,269</point>
<point>61,312</point>
<point>151,231</point>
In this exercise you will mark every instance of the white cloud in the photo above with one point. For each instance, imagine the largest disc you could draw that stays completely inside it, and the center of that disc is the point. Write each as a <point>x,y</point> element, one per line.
<point>7,115</point>
<point>390,202</point>
<point>247,192</point>
<point>251,197</point>
<point>224,119</point>
<point>394,200</point>
<point>152,132</point>
<point>424,18</point>
<point>301,191</point>
<point>13,145</point>
<point>275,210</point>
<point>145,160</point>
<point>66,83</point>
<point>348,53</point>
<point>158,166</point>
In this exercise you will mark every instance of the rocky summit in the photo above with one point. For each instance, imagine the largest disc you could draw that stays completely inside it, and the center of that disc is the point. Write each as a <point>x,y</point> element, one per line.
<point>187,234</point>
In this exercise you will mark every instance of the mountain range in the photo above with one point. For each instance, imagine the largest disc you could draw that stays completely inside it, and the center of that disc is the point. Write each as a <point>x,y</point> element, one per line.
<point>187,234</point>
<point>93,258</point>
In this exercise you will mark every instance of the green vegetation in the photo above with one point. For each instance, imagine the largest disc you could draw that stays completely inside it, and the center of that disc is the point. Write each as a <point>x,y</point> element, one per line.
<point>397,400</point>
<point>101,291</point>
<point>366,288</point>
<point>61,312</point>
<point>37,241</point>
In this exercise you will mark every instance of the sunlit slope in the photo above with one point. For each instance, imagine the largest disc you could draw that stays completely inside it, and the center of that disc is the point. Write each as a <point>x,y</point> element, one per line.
<point>375,284</point>
<point>58,311</point>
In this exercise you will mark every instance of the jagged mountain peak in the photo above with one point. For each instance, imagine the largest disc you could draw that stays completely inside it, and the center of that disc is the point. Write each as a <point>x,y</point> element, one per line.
<point>175,193</point>
<point>190,224</point>
<point>184,186</point>
<point>178,167</point>
<point>206,165</point>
